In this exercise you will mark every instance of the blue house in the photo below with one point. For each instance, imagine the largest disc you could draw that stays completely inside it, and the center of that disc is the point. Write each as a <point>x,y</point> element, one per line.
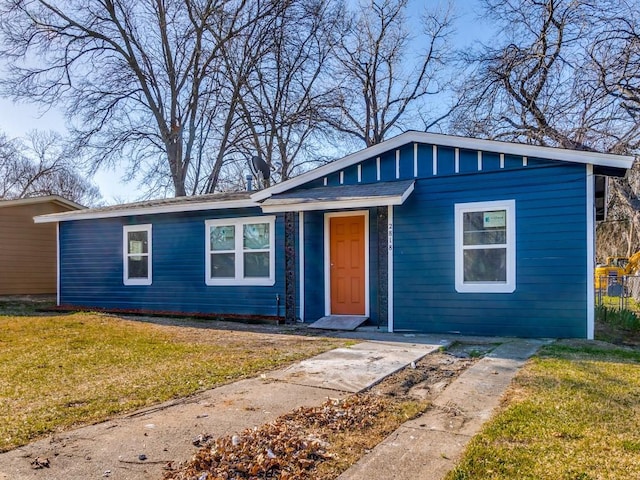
<point>421,233</point>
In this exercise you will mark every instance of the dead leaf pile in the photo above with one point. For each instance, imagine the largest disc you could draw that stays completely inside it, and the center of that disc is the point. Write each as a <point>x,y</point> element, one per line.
<point>289,448</point>
<point>353,412</point>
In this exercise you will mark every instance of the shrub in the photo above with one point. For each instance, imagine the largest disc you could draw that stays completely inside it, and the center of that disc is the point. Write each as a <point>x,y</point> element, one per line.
<point>622,318</point>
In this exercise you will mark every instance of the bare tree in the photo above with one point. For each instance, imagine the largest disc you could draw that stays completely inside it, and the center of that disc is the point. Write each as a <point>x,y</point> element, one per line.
<point>276,90</point>
<point>290,92</point>
<point>140,79</point>
<point>561,73</point>
<point>615,52</point>
<point>537,84</point>
<point>44,167</point>
<point>238,59</point>
<point>382,85</point>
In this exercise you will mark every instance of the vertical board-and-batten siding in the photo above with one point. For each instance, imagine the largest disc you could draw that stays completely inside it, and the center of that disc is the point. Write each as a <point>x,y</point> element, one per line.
<point>421,161</point>
<point>551,257</point>
<point>91,267</point>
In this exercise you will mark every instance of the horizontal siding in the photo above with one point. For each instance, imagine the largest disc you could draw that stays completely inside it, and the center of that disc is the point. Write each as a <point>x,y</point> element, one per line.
<point>91,267</point>
<point>551,263</point>
<point>27,250</point>
<point>551,284</point>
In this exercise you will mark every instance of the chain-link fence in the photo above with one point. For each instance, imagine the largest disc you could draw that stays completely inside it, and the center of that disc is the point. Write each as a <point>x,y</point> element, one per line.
<point>621,288</point>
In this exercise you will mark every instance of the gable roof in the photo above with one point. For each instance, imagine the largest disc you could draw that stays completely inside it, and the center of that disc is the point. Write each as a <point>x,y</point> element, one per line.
<point>57,199</point>
<point>552,153</point>
<point>213,201</point>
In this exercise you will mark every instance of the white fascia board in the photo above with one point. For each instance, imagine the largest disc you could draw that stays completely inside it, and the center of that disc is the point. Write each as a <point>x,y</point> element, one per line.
<point>158,209</point>
<point>549,153</point>
<point>34,200</point>
<point>406,193</point>
<point>364,202</point>
<point>331,167</point>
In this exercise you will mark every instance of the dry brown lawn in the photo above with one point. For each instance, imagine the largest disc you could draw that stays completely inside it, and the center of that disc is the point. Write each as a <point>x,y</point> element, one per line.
<point>62,371</point>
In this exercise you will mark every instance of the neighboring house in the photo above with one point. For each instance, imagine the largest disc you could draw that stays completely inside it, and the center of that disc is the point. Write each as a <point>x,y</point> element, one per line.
<point>28,250</point>
<point>421,233</point>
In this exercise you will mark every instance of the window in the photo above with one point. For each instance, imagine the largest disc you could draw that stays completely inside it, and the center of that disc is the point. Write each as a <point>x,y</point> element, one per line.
<point>137,254</point>
<point>240,251</point>
<point>485,234</point>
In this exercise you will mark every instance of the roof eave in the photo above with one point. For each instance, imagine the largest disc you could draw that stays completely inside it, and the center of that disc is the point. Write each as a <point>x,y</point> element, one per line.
<point>48,198</point>
<point>337,204</point>
<point>155,210</point>
<point>306,205</point>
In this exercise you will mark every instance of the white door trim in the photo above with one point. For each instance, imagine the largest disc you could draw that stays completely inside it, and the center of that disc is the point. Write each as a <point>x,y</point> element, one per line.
<point>327,262</point>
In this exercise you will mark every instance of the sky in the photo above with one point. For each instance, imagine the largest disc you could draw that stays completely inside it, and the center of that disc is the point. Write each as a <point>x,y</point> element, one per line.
<point>17,119</point>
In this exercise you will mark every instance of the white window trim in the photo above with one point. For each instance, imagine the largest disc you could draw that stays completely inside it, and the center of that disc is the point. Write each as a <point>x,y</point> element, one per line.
<point>125,254</point>
<point>239,257</point>
<point>486,287</point>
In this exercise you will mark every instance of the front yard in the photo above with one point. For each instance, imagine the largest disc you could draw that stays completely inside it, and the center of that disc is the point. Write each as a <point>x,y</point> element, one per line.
<point>572,413</point>
<point>61,371</point>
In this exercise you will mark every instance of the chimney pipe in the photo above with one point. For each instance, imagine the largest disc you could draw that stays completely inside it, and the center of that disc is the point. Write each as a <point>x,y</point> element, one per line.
<point>249,182</point>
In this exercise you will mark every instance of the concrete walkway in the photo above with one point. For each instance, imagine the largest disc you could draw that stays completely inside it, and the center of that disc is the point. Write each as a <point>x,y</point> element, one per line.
<point>138,446</point>
<point>430,446</point>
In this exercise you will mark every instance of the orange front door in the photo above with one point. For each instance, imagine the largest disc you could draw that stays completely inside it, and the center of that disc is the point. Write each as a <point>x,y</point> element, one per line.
<point>347,265</point>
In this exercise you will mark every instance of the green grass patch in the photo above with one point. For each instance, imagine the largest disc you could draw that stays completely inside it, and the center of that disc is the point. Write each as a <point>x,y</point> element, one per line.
<point>573,413</point>
<point>61,371</point>
<point>616,317</point>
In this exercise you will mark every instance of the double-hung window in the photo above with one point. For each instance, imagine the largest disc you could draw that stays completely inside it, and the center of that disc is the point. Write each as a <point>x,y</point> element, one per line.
<point>240,251</point>
<point>136,250</point>
<point>485,238</point>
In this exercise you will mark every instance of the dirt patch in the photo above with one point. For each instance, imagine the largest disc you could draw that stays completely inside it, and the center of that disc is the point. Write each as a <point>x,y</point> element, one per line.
<point>321,442</point>
<point>617,335</point>
<point>425,379</point>
<point>23,305</point>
